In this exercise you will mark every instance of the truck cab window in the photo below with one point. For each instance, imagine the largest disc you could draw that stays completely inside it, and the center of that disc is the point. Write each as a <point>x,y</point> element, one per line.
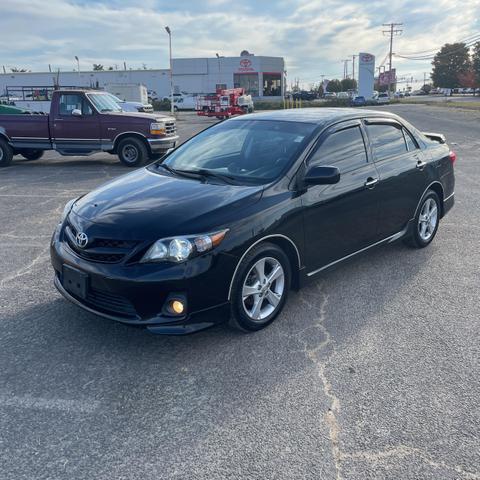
<point>70,102</point>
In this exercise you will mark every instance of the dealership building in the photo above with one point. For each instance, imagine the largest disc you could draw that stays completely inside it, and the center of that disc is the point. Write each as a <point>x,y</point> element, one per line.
<point>260,76</point>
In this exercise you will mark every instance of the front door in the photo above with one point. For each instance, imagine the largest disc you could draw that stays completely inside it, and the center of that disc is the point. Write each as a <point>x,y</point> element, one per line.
<point>76,133</point>
<point>341,219</point>
<point>400,165</point>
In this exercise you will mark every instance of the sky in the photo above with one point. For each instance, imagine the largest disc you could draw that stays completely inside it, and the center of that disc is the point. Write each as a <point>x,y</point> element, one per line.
<point>313,36</point>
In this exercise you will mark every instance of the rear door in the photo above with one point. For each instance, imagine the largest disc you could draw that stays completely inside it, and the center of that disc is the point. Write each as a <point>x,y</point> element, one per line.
<point>75,133</point>
<point>341,219</point>
<point>401,167</point>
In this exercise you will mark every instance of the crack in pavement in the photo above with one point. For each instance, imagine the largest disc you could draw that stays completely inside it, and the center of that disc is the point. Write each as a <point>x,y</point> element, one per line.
<point>314,354</point>
<point>404,451</point>
<point>27,269</point>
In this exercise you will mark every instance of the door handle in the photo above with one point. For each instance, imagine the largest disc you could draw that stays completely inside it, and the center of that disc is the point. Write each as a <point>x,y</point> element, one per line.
<point>421,164</point>
<point>371,182</point>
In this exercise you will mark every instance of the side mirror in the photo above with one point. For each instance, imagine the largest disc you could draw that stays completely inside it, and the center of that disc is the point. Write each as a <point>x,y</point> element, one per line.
<point>76,112</point>
<point>322,175</point>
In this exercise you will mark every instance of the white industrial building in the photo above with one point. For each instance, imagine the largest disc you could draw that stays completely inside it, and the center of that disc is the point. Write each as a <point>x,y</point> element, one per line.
<point>261,76</point>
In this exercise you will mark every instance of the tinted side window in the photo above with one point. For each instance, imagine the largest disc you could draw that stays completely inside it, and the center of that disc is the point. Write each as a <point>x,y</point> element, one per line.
<point>344,149</point>
<point>69,102</point>
<point>387,141</point>
<point>411,145</point>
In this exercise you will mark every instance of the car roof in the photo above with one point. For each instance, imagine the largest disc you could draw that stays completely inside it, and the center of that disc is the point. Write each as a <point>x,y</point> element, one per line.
<point>320,116</point>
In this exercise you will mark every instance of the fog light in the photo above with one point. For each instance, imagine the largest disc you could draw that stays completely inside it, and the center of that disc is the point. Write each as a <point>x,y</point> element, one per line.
<point>177,307</point>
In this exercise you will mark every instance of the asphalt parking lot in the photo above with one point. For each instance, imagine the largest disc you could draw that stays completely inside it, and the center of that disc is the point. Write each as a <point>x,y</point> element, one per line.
<point>371,372</point>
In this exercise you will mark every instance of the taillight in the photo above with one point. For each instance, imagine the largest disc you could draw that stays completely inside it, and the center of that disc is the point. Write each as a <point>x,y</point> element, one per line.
<point>453,156</point>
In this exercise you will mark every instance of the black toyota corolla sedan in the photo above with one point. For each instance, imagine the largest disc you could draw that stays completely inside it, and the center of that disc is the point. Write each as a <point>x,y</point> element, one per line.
<point>226,224</point>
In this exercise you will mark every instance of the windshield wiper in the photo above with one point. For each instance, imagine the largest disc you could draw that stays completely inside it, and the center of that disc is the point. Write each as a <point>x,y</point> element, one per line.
<point>173,171</point>
<point>201,172</point>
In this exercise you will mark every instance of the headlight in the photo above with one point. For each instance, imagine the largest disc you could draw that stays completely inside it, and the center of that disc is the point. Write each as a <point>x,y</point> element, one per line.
<point>67,208</point>
<point>179,249</point>
<point>157,128</point>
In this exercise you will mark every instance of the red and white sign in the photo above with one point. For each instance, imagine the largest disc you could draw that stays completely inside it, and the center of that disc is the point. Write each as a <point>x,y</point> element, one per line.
<point>246,65</point>
<point>387,78</point>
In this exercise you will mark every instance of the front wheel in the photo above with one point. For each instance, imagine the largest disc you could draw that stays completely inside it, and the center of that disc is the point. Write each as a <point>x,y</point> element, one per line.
<point>132,152</point>
<point>31,154</point>
<point>426,221</point>
<point>260,288</point>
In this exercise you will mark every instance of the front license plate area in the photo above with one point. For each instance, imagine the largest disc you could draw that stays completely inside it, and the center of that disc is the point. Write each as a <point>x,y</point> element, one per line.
<point>75,281</point>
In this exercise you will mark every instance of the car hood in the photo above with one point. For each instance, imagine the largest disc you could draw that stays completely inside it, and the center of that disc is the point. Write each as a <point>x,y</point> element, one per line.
<point>145,205</point>
<point>154,117</point>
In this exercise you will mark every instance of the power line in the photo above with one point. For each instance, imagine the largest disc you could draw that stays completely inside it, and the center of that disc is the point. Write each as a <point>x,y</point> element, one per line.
<point>433,50</point>
<point>440,55</point>
<point>392,32</point>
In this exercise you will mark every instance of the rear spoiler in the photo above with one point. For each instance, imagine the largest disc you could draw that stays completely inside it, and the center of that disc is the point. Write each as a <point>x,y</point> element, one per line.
<point>436,137</point>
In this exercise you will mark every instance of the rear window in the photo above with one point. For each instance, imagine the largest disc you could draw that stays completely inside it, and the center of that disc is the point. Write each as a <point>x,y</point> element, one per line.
<point>387,140</point>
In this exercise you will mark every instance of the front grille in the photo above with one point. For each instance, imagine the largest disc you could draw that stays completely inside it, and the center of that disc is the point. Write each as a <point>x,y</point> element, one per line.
<point>170,128</point>
<point>105,250</point>
<point>110,303</point>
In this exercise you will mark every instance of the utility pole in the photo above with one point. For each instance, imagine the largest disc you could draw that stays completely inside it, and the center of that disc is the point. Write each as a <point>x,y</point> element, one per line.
<point>353,66</point>
<point>391,31</point>
<point>345,67</point>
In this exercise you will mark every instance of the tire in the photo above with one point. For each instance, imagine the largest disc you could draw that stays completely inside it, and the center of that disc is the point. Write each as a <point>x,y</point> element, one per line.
<point>255,311</point>
<point>6,153</point>
<point>132,152</point>
<point>31,154</point>
<point>426,221</point>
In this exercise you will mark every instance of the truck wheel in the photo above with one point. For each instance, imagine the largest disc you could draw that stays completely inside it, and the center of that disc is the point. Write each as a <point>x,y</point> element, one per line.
<point>31,154</point>
<point>6,153</point>
<point>132,152</point>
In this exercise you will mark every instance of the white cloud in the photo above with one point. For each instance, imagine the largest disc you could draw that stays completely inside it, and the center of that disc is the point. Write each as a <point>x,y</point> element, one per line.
<point>313,36</point>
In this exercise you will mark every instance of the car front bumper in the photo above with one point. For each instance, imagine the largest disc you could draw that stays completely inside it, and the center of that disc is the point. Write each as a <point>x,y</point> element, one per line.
<point>137,294</point>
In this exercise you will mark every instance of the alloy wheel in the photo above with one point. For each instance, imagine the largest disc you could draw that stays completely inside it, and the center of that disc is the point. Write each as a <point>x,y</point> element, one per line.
<point>263,288</point>
<point>428,219</point>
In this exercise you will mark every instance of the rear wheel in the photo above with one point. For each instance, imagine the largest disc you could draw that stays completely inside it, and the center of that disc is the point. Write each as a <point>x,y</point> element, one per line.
<point>260,288</point>
<point>6,153</point>
<point>426,221</point>
<point>132,152</point>
<point>31,154</point>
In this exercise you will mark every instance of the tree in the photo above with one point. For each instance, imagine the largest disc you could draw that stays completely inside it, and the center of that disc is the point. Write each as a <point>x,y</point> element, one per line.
<point>426,88</point>
<point>348,84</point>
<point>18,70</point>
<point>97,66</point>
<point>467,79</point>
<point>476,63</point>
<point>334,86</point>
<point>451,61</point>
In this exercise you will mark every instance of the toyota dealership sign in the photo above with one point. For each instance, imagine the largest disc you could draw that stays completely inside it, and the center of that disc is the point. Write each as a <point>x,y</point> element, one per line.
<point>366,72</point>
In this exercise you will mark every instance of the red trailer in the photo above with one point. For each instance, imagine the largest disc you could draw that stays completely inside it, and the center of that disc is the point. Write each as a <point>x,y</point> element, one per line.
<point>224,103</point>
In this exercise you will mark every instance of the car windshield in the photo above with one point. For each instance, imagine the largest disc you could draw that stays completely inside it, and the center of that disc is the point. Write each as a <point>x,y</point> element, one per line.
<point>104,102</point>
<point>247,151</point>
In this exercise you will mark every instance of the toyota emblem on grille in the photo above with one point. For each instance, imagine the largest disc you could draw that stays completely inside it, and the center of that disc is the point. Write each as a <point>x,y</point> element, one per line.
<point>81,239</point>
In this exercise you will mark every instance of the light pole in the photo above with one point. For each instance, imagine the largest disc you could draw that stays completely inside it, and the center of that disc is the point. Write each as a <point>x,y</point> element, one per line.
<point>219,76</point>
<point>167,29</point>
<point>78,67</point>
